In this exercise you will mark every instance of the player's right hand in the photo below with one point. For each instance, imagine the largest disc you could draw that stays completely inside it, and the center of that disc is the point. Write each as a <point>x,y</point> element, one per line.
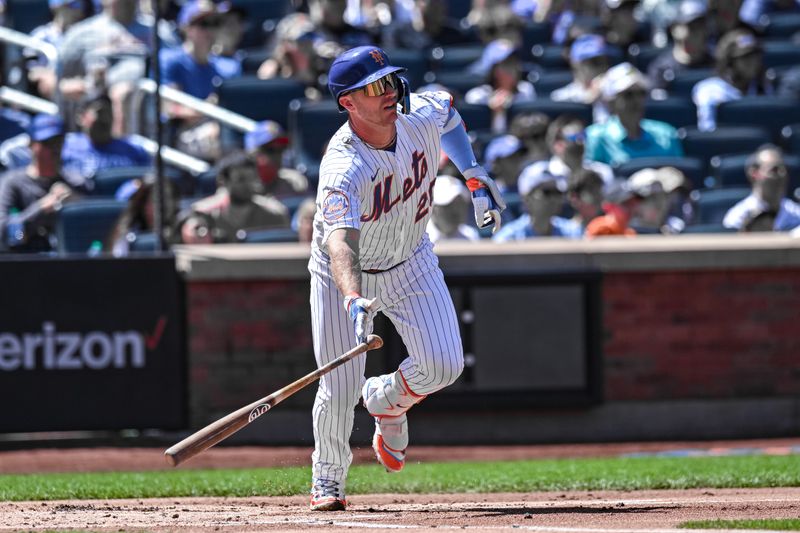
<point>487,201</point>
<point>359,309</point>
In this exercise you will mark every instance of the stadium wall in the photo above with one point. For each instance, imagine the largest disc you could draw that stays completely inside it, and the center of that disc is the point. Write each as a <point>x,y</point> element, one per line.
<point>699,340</point>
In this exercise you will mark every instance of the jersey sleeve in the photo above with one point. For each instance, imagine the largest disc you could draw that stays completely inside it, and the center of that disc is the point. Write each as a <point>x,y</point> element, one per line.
<point>434,104</point>
<point>338,202</point>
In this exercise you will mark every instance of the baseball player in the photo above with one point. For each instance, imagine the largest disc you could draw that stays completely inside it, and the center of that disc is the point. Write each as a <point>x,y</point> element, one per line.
<point>370,254</point>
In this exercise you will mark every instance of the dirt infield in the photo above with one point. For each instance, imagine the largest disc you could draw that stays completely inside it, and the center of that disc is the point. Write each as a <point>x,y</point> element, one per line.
<point>562,512</point>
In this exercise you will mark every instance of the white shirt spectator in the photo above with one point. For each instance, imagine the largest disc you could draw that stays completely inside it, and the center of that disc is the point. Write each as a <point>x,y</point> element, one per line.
<point>788,216</point>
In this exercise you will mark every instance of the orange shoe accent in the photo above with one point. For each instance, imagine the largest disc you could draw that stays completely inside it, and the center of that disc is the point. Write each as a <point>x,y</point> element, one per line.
<point>393,460</point>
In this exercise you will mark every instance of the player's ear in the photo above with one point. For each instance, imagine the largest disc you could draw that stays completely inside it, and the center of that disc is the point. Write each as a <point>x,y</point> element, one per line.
<point>346,101</point>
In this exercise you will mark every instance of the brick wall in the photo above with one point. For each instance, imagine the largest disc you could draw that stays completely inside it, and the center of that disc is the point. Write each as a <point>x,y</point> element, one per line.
<point>702,334</point>
<point>667,335</point>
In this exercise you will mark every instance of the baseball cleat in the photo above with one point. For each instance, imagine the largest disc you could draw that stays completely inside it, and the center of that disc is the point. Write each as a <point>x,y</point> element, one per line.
<point>391,459</point>
<point>327,495</point>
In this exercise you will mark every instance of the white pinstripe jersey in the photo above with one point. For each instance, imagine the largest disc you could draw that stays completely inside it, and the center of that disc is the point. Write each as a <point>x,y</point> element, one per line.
<point>386,195</point>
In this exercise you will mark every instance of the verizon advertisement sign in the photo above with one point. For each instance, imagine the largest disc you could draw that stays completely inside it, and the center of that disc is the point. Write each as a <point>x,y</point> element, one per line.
<point>91,344</point>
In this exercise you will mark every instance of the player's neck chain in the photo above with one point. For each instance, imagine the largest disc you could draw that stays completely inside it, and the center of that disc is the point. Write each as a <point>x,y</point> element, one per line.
<point>382,147</point>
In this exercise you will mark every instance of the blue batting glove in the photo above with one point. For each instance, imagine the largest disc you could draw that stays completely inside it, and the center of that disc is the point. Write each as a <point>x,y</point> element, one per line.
<point>359,309</point>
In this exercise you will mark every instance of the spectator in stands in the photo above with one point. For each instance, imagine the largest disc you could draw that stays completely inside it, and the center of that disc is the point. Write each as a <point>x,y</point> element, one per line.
<point>653,214</point>
<point>585,195</point>
<point>303,220</point>
<point>418,25</point>
<point>502,159</point>
<point>30,197</point>
<point>197,228</point>
<point>139,217</point>
<point>193,69</point>
<point>620,206</point>
<point>301,53</point>
<point>531,129</point>
<point>759,221</point>
<point>739,72</point>
<point>328,17</point>
<point>232,27</point>
<point>108,50</point>
<point>495,20</point>
<point>619,21</point>
<point>588,59</point>
<point>724,16</point>
<point>627,134</point>
<point>769,179</point>
<point>95,148</point>
<point>501,62</point>
<point>238,205</point>
<point>266,145</point>
<point>451,203</point>
<point>41,73</point>
<point>566,138</point>
<point>689,50</point>
<point>543,195</point>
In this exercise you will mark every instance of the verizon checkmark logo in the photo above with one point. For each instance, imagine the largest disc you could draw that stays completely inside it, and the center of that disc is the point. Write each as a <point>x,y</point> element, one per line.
<point>154,339</point>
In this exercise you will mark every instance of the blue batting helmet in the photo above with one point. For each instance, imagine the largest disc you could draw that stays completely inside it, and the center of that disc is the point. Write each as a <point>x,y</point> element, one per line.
<point>357,67</point>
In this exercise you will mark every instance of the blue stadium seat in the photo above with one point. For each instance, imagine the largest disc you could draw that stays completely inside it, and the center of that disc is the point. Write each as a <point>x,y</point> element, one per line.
<point>550,56</point>
<point>206,183</point>
<point>271,235</point>
<point>458,9</point>
<point>642,54</point>
<point>458,83</point>
<point>693,168</point>
<point>475,116</point>
<point>25,15</point>
<point>311,125</point>
<point>260,99</point>
<point>677,111</point>
<point>553,109</point>
<point>12,123</point>
<point>293,203</point>
<point>144,242</point>
<point>729,170</point>
<point>455,57</point>
<point>253,57</point>
<point>548,81</point>
<point>82,222</point>
<point>724,140</point>
<point>767,111</point>
<point>781,54</point>
<point>534,33</point>
<point>707,228</point>
<point>782,25</point>
<point>107,181</point>
<point>790,138</point>
<point>713,204</point>
<point>415,63</point>
<point>257,13</point>
<point>682,82</point>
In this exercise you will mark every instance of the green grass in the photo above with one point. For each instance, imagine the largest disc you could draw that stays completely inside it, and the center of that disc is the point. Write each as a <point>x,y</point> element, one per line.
<point>512,476</point>
<point>776,524</point>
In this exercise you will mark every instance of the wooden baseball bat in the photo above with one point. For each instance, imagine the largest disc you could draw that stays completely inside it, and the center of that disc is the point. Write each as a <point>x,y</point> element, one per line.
<point>230,424</point>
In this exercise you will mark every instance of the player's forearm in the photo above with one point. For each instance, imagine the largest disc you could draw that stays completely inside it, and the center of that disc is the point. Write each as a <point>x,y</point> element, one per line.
<point>345,266</point>
<point>456,144</point>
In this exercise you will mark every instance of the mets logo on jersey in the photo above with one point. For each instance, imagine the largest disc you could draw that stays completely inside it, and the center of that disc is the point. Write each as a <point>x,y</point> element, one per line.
<point>335,206</point>
<point>376,55</point>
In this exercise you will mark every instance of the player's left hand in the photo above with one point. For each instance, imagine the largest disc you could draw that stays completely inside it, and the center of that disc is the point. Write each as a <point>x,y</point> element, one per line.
<point>487,201</point>
<point>359,309</point>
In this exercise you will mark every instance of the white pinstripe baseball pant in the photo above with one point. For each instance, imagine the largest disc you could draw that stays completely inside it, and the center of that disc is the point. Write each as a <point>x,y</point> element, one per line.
<point>415,298</point>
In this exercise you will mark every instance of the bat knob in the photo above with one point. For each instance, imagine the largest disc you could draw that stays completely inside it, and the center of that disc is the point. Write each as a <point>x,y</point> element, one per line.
<point>374,342</point>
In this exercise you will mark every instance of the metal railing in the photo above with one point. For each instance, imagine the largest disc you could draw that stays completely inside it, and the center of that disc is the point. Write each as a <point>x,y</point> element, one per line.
<point>172,156</point>
<point>228,118</point>
<point>26,41</point>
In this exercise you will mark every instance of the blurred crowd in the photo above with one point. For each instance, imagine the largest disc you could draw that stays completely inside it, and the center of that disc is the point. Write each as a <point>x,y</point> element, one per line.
<point>596,117</point>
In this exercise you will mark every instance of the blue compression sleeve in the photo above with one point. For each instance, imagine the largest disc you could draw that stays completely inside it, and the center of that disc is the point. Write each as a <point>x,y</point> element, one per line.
<point>456,145</point>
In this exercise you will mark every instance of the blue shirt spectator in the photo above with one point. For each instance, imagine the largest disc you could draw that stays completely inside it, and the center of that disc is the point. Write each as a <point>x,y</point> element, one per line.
<point>199,79</point>
<point>82,158</point>
<point>544,196</point>
<point>627,134</point>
